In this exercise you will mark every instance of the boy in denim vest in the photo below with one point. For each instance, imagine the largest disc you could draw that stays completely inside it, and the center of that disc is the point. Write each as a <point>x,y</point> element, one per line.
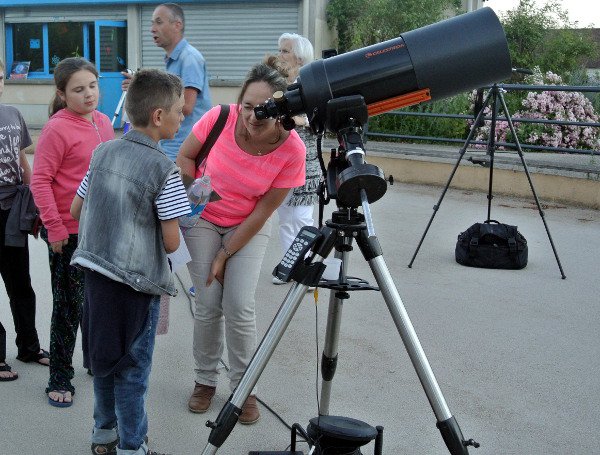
<point>128,205</point>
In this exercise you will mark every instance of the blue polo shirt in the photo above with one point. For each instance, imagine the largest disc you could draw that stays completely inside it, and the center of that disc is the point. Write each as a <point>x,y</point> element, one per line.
<point>188,63</point>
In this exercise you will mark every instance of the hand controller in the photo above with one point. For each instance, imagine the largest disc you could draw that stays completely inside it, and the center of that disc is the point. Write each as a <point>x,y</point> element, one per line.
<point>303,242</point>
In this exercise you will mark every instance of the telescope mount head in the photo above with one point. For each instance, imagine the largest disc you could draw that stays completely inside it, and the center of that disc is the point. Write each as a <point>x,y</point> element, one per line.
<point>348,174</point>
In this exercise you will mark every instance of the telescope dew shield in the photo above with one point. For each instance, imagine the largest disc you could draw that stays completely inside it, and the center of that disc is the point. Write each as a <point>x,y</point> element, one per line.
<point>445,58</point>
<point>460,54</point>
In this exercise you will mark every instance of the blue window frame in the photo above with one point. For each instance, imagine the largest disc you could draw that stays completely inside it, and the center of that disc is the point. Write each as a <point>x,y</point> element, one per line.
<point>45,44</point>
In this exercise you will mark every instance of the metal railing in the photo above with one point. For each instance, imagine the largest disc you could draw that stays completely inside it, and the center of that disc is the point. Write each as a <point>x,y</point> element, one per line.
<point>511,145</point>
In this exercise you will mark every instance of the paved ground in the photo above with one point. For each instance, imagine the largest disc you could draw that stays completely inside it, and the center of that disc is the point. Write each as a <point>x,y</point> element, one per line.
<point>515,352</point>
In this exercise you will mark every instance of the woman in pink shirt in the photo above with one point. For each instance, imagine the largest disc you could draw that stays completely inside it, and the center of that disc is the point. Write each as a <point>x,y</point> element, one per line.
<point>252,165</point>
<point>62,157</point>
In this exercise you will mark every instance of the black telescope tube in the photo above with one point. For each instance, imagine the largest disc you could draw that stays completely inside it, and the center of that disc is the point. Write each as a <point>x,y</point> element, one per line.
<point>449,57</point>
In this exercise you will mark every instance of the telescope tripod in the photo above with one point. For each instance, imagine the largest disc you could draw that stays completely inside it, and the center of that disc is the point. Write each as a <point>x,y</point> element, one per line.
<point>119,108</point>
<point>496,97</point>
<point>339,232</point>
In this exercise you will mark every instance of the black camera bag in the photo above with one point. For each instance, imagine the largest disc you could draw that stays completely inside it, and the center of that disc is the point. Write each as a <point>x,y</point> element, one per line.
<point>492,245</point>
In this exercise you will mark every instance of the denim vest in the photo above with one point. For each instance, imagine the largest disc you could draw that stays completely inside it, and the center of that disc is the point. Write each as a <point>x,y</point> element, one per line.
<point>119,232</point>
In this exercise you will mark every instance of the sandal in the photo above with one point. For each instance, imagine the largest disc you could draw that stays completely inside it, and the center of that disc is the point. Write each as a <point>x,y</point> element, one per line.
<point>37,358</point>
<point>6,368</point>
<point>110,448</point>
<point>105,449</point>
<point>60,404</point>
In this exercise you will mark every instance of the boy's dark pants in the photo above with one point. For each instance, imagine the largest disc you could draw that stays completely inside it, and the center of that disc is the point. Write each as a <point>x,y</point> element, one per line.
<point>14,267</point>
<point>120,396</point>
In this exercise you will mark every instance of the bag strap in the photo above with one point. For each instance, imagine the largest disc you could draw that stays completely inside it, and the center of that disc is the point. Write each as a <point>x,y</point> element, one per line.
<point>213,135</point>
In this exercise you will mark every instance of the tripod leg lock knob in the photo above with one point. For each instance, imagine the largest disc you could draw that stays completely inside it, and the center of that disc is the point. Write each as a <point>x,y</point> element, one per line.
<point>328,367</point>
<point>471,442</point>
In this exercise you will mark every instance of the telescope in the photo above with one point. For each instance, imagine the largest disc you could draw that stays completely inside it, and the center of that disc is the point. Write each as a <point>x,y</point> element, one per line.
<point>430,63</point>
<point>339,94</point>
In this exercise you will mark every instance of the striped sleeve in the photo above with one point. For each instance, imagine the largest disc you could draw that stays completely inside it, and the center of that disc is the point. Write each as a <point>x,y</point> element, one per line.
<point>172,202</point>
<point>83,186</point>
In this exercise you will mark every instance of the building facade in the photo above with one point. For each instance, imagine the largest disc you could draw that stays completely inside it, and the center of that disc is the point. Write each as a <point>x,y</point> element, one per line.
<point>232,35</point>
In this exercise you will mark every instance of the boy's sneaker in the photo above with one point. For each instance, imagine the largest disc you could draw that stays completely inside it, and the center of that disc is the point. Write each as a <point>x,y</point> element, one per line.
<point>278,281</point>
<point>193,291</point>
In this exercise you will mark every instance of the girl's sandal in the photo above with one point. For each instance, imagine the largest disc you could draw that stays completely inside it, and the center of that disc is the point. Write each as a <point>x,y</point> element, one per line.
<point>6,368</point>
<point>60,404</point>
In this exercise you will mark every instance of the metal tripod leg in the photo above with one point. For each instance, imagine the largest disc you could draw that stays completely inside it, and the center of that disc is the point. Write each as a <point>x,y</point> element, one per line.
<point>460,156</point>
<point>446,423</point>
<point>537,202</point>
<point>332,333</point>
<point>229,414</point>
<point>119,107</point>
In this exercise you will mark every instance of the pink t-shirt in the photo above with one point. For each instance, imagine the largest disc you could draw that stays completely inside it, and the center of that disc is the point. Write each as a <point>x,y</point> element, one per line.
<point>242,179</point>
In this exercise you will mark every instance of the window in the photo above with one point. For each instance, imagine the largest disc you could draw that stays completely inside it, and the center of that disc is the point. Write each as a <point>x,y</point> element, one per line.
<point>27,39</point>
<point>46,44</point>
<point>113,47</point>
<point>67,39</point>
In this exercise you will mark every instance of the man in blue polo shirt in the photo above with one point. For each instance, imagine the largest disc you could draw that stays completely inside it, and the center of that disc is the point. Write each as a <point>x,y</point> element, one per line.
<point>185,61</point>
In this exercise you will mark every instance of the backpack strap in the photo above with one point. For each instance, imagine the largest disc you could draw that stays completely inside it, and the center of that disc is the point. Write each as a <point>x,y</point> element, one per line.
<point>473,245</point>
<point>213,135</point>
<point>512,239</point>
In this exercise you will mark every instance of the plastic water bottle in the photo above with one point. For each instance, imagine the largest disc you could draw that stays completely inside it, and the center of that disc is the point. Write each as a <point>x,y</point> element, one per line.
<point>126,122</point>
<point>199,195</point>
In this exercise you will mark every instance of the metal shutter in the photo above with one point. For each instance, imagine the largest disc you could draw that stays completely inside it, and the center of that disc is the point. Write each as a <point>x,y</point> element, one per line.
<point>231,36</point>
<point>65,13</point>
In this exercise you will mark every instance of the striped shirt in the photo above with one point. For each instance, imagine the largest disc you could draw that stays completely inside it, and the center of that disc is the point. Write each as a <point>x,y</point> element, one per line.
<point>172,201</point>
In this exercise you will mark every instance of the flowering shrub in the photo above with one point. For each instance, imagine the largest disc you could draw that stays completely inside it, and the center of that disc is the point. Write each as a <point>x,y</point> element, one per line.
<point>549,105</point>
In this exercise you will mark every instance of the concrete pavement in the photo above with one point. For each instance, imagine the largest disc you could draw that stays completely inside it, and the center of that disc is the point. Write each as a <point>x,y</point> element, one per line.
<point>514,352</point>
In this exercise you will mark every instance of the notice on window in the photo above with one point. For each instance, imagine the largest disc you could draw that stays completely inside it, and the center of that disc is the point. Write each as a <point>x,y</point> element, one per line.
<point>19,70</point>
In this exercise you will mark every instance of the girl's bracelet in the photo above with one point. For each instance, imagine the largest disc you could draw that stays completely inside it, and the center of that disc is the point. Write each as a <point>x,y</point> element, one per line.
<point>228,253</point>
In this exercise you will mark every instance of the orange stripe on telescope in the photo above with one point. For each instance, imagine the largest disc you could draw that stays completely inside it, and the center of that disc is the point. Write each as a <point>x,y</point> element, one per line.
<point>408,99</point>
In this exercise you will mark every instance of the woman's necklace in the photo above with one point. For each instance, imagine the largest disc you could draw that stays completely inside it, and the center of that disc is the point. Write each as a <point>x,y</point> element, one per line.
<point>259,151</point>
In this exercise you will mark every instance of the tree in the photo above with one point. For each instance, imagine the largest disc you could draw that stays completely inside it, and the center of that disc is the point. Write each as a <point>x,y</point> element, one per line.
<point>360,23</point>
<point>544,37</point>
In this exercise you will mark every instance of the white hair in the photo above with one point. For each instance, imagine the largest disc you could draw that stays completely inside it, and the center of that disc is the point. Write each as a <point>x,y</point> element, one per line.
<point>301,47</point>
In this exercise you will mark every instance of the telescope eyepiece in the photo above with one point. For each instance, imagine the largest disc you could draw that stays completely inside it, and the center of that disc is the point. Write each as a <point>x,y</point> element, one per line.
<point>267,110</point>
<point>276,107</point>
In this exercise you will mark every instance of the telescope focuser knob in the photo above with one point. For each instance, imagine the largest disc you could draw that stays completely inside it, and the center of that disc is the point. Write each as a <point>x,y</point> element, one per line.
<point>287,122</point>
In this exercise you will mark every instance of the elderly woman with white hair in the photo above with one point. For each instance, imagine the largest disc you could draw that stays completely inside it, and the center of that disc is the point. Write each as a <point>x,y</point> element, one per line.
<point>297,209</point>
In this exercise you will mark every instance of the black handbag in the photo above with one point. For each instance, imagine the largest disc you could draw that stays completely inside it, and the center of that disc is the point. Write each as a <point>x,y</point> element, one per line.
<point>492,245</point>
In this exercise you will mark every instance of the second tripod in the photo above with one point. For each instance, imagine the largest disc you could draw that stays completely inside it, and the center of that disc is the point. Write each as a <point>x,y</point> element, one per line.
<point>496,98</point>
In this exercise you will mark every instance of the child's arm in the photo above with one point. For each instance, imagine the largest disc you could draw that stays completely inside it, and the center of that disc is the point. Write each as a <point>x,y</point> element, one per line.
<point>186,159</point>
<point>170,234</point>
<point>171,203</point>
<point>76,206</point>
<point>77,203</point>
<point>25,166</point>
